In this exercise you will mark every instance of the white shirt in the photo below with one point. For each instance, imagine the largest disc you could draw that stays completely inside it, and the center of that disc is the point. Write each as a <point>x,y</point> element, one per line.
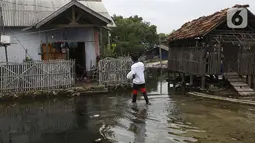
<point>137,69</point>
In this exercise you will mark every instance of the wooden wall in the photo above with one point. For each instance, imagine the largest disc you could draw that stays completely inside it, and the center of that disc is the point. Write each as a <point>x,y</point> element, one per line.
<point>195,60</point>
<point>213,60</point>
<point>187,60</point>
<point>50,53</point>
<point>246,61</point>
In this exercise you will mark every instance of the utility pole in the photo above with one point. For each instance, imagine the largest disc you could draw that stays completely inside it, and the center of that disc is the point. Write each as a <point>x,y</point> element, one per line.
<point>160,56</point>
<point>109,38</point>
<point>3,33</point>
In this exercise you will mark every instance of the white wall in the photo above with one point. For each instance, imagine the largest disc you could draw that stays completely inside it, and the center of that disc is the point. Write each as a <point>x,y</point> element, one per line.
<point>90,58</point>
<point>16,53</point>
<point>31,41</point>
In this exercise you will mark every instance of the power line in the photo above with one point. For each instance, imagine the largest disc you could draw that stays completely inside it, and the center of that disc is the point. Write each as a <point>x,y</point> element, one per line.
<point>37,32</point>
<point>15,36</point>
<point>20,43</point>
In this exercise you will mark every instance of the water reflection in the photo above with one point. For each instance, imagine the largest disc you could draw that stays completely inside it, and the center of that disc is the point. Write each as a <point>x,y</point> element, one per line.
<point>138,125</point>
<point>151,80</point>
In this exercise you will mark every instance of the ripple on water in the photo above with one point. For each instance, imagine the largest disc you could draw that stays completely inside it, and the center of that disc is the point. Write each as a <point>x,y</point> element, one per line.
<point>159,122</point>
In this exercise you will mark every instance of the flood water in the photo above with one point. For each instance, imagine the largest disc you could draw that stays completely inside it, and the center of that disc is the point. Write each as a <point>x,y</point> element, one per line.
<point>112,118</point>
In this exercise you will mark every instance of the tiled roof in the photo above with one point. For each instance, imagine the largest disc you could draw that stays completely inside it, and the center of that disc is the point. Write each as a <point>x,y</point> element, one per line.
<point>201,26</point>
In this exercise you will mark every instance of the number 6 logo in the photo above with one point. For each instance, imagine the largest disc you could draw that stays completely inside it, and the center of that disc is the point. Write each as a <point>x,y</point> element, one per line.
<point>237,18</point>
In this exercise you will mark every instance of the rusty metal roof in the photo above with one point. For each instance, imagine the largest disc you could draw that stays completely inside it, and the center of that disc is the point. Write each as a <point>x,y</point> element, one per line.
<point>23,13</point>
<point>201,26</point>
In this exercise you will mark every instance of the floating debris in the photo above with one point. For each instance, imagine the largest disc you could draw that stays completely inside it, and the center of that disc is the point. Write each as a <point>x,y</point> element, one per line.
<point>95,116</point>
<point>98,140</point>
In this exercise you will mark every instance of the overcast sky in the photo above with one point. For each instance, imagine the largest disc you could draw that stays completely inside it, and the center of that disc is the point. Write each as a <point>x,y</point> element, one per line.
<point>168,15</point>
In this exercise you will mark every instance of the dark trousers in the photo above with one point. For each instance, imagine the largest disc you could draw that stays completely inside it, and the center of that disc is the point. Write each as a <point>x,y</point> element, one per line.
<point>141,87</point>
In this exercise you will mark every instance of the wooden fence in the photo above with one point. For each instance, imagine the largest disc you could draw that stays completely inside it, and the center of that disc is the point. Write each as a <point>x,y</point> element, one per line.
<point>37,75</point>
<point>113,72</point>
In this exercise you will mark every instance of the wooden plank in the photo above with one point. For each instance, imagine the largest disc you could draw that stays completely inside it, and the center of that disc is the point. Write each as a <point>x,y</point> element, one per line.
<point>246,93</point>
<point>243,89</point>
<point>235,80</point>
<point>241,101</point>
<point>239,85</point>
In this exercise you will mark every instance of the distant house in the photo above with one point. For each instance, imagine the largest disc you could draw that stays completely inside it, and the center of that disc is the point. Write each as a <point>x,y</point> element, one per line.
<point>155,52</point>
<point>54,29</point>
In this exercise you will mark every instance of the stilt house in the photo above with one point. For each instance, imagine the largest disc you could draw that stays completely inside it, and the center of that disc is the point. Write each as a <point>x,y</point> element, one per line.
<point>207,46</point>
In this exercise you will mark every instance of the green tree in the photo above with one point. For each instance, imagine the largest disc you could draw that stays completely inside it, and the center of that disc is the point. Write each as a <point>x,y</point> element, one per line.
<point>109,51</point>
<point>163,37</point>
<point>133,35</point>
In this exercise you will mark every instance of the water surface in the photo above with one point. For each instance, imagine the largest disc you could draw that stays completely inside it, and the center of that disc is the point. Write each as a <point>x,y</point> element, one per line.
<point>112,118</point>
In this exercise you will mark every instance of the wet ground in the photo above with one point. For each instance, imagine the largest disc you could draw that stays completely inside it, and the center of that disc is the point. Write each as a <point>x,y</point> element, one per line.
<point>112,118</point>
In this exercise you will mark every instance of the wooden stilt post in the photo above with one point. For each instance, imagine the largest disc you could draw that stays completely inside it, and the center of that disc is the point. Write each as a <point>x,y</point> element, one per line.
<point>183,78</point>
<point>253,80</point>
<point>250,80</point>
<point>203,82</point>
<point>174,81</point>
<point>183,82</point>
<point>191,82</point>
<point>168,83</point>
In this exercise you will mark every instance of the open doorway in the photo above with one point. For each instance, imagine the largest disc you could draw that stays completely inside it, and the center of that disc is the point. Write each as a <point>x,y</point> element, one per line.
<point>230,53</point>
<point>77,53</point>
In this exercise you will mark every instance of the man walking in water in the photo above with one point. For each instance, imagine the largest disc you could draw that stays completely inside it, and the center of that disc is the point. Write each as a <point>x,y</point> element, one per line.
<point>137,75</point>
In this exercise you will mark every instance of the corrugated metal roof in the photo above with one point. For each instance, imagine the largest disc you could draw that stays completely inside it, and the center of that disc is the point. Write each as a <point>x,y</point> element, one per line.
<point>201,26</point>
<point>69,5</point>
<point>29,12</point>
<point>164,47</point>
